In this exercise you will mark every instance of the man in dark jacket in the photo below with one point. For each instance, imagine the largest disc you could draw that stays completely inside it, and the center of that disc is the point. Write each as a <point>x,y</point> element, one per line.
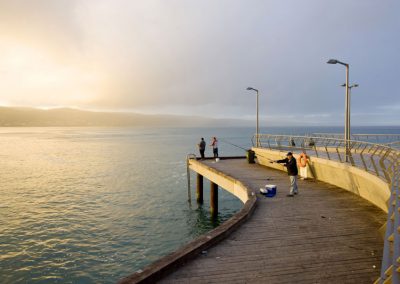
<point>202,147</point>
<point>291,166</point>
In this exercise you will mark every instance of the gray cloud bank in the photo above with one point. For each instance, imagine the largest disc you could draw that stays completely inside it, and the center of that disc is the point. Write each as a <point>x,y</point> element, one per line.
<point>198,57</point>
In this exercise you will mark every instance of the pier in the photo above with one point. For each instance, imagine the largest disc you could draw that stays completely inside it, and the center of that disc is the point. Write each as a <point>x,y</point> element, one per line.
<point>323,235</point>
<point>341,228</point>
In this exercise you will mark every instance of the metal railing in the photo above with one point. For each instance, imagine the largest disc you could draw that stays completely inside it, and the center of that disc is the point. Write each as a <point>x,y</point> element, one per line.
<point>378,159</point>
<point>394,144</point>
<point>374,158</point>
<point>188,157</point>
<point>374,138</point>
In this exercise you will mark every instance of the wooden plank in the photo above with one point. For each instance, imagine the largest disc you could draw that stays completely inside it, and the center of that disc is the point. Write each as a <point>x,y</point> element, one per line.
<point>323,235</point>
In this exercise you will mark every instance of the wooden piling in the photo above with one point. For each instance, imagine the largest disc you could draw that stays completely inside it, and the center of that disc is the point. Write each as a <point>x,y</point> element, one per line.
<point>214,199</point>
<point>199,189</point>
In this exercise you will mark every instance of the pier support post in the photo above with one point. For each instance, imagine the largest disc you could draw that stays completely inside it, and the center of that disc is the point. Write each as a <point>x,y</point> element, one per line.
<point>214,199</point>
<point>199,189</point>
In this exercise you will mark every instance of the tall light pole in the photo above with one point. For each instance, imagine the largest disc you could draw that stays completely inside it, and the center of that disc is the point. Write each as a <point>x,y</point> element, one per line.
<point>347,110</point>
<point>257,128</point>
<point>350,87</point>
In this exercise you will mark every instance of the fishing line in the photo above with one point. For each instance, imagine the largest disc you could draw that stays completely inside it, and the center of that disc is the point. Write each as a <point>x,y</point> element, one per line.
<point>227,142</point>
<point>223,140</point>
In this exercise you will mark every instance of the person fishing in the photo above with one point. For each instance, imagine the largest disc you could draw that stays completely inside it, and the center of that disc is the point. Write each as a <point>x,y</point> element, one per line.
<point>202,147</point>
<point>291,166</point>
<point>214,145</point>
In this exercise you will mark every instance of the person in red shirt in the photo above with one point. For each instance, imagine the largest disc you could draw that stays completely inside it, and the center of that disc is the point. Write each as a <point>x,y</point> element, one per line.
<point>214,145</point>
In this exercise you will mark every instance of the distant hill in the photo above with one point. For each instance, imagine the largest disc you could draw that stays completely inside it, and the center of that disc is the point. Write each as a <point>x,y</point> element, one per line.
<point>15,116</point>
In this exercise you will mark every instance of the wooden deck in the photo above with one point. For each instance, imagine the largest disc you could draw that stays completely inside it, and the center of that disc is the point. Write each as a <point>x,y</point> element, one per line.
<point>323,235</point>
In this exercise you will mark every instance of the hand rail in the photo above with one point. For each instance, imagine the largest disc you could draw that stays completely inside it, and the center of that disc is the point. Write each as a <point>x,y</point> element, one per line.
<point>371,157</point>
<point>378,159</point>
<point>188,157</point>
<point>378,138</point>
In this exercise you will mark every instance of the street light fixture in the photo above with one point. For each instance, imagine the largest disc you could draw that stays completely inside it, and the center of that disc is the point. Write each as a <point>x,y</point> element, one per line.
<point>347,108</point>
<point>350,87</point>
<point>257,128</point>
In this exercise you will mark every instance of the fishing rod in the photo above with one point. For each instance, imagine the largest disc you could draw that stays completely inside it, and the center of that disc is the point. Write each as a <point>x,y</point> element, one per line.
<point>247,150</point>
<point>240,147</point>
<point>227,142</point>
<point>222,140</point>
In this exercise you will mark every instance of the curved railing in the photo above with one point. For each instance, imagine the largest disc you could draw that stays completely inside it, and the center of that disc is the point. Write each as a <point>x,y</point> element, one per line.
<point>374,158</point>
<point>375,138</point>
<point>394,144</point>
<point>377,159</point>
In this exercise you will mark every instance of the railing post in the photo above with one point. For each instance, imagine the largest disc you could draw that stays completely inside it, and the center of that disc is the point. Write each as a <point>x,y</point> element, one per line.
<point>396,228</point>
<point>382,164</point>
<point>374,165</point>
<point>327,153</point>
<point>188,157</point>
<point>363,161</point>
<point>389,230</point>
<point>214,199</point>
<point>315,149</point>
<point>188,180</point>
<point>338,153</point>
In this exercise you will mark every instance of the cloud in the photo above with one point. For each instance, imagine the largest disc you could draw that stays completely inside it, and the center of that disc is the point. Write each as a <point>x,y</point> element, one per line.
<point>394,107</point>
<point>50,25</point>
<point>193,57</point>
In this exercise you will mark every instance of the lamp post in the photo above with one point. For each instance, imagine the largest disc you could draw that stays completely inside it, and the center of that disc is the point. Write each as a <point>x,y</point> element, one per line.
<point>350,87</point>
<point>347,109</point>
<point>257,128</point>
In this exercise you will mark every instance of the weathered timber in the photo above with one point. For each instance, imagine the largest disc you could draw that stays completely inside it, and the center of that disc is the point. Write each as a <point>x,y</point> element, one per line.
<point>214,199</point>
<point>199,189</point>
<point>323,235</point>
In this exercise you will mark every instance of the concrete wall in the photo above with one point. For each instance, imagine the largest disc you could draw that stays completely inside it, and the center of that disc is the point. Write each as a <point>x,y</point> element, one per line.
<point>356,180</point>
<point>226,182</point>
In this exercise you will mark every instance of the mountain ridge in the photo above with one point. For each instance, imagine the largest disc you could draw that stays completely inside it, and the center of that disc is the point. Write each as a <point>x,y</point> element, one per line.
<point>33,117</point>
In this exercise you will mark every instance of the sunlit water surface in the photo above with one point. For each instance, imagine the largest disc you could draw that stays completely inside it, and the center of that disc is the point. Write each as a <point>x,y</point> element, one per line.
<point>91,205</point>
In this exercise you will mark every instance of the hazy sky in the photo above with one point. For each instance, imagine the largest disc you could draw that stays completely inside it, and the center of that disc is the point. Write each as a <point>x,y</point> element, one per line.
<point>198,57</point>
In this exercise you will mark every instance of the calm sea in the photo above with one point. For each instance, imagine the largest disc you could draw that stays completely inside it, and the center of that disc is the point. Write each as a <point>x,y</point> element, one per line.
<point>91,205</point>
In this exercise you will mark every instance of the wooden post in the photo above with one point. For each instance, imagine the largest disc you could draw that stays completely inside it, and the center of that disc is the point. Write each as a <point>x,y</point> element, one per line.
<point>199,191</point>
<point>214,199</point>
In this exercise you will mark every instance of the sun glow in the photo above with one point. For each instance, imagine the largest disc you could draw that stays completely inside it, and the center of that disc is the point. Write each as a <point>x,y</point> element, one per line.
<point>33,76</point>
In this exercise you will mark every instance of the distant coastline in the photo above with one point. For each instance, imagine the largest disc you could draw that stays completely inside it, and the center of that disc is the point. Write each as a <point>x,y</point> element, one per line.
<point>68,117</point>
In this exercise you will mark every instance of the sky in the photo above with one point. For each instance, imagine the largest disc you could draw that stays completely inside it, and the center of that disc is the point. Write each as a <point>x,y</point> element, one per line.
<point>188,57</point>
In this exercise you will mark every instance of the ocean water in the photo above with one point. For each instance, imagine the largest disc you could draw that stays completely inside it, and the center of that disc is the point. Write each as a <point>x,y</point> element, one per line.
<point>91,205</point>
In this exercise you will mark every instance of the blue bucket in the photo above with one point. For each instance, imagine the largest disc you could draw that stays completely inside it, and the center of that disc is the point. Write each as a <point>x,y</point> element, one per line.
<point>271,190</point>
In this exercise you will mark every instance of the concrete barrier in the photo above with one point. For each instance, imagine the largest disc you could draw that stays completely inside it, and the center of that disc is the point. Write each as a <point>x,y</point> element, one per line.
<point>226,182</point>
<point>355,180</point>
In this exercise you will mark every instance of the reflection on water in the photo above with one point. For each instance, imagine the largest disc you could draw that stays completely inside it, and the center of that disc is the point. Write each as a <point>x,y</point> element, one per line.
<point>204,220</point>
<point>90,205</point>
